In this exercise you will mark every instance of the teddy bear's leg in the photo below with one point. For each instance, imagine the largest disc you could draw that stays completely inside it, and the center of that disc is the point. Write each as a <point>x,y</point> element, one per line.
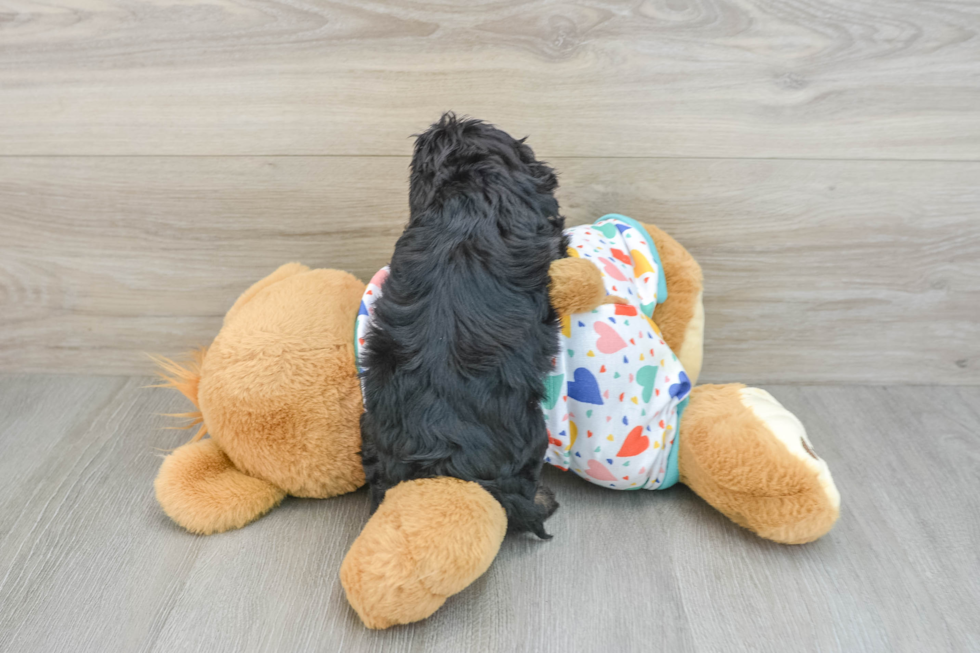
<point>750,458</point>
<point>428,540</point>
<point>681,316</point>
<point>200,489</point>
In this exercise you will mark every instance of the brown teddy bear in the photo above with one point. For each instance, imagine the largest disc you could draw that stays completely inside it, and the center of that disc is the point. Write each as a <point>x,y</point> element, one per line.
<point>278,394</point>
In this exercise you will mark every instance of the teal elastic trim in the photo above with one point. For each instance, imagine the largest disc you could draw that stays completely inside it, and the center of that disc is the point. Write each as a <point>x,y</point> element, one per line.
<point>357,347</point>
<point>661,279</point>
<point>673,472</point>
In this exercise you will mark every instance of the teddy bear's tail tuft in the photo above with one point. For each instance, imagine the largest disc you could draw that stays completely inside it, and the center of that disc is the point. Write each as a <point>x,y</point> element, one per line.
<point>185,379</point>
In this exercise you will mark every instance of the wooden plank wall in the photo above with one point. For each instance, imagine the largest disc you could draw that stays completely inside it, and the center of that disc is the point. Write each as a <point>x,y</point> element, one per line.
<point>821,160</point>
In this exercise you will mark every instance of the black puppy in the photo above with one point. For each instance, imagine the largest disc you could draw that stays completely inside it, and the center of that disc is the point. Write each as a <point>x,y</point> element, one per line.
<point>464,333</point>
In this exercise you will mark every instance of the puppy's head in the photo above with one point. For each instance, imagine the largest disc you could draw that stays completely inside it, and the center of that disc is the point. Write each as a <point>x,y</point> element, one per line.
<point>468,168</point>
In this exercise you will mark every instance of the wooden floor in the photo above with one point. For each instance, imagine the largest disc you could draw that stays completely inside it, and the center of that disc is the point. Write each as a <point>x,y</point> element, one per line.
<point>89,563</point>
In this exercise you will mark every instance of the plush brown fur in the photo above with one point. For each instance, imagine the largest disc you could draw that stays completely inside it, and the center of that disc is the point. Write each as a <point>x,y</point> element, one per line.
<point>185,379</point>
<point>731,459</point>
<point>576,286</point>
<point>282,272</point>
<point>279,360</point>
<point>201,489</point>
<point>680,317</point>
<point>278,393</point>
<point>428,540</point>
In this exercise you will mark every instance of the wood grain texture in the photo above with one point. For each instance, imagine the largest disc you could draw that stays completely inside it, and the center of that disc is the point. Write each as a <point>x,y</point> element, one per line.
<point>88,562</point>
<point>81,565</point>
<point>816,271</point>
<point>689,78</point>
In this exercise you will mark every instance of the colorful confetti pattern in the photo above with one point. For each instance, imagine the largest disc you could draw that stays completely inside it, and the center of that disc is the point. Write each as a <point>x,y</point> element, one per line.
<point>612,400</point>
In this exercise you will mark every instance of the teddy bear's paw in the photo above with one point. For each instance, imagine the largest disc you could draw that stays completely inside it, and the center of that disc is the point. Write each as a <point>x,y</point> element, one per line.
<point>789,431</point>
<point>428,540</point>
<point>789,507</point>
<point>750,458</point>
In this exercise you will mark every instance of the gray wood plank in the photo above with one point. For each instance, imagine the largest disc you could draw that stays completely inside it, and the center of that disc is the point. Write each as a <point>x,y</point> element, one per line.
<point>89,564</point>
<point>816,271</point>
<point>898,568</point>
<point>87,561</point>
<point>39,415</point>
<point>732,78</point>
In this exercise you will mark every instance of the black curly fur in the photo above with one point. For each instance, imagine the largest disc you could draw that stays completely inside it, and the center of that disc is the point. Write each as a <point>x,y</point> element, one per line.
<point>464,333</point>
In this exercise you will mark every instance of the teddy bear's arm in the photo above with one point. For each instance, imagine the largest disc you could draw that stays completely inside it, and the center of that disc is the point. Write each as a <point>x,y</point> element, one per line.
<point>681,316</point>
<point>576,286</point>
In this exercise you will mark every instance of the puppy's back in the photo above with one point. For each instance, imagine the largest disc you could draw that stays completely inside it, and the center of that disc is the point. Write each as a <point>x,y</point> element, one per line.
<point>464,333</point>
